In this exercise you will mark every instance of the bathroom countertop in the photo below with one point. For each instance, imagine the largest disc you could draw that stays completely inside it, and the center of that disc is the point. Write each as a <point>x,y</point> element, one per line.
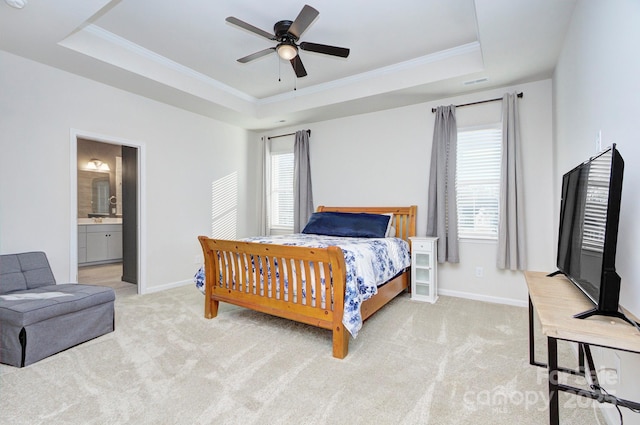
<point>99,220</point>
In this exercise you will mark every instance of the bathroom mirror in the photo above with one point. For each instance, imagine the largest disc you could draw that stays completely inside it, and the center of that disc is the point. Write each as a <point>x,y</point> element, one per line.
<point>100,195</point>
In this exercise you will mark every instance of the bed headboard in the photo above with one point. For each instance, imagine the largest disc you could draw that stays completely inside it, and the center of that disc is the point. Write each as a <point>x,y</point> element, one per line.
<point>404,218</point>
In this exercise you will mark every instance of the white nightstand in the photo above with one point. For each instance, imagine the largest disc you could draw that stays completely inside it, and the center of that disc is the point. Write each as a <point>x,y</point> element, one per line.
<point>424,271</point>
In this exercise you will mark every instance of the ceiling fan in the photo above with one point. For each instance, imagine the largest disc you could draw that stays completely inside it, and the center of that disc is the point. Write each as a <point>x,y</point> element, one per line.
<point>287,34</point>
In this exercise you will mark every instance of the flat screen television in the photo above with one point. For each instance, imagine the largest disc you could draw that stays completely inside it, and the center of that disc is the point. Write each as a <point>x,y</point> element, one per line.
<point>588,234</point>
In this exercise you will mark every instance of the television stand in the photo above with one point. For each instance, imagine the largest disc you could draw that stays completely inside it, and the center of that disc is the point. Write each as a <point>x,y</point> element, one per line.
<point>596,312</point>
<point>556,305</point>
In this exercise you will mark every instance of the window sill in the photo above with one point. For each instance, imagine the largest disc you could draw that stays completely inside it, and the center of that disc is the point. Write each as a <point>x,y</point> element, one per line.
<point>281,231</point>
<point>478,241</point>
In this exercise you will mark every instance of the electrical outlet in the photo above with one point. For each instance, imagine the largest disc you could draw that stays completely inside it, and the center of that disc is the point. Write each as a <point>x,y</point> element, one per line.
<point>479,271</point>
<point>197,260</point>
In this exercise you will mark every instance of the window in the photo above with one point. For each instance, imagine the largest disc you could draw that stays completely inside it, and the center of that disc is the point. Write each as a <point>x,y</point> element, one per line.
<point>478,181</point>
<point>280,212</point>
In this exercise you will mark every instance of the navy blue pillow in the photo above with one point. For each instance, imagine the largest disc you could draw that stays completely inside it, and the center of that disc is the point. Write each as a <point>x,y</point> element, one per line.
<point>355,225</point>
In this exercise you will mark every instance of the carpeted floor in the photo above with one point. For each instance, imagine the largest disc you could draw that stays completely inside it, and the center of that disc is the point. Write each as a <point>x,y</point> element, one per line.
<point>455,362</point>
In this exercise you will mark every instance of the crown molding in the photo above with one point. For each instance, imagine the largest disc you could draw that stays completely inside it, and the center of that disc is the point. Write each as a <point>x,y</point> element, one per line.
<point>408,65</point>
<point>123,43</point>
<point>96,42</point>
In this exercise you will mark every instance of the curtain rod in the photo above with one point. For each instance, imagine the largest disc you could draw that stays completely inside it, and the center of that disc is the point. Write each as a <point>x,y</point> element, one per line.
<point>288,134</point>
<point>433,110</point>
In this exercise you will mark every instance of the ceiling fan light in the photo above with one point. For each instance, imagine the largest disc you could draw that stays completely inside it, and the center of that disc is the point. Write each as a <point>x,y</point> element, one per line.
<point>287,51</point>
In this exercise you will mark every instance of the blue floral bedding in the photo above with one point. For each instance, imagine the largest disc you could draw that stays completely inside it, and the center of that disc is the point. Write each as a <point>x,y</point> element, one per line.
<point>369,263</point>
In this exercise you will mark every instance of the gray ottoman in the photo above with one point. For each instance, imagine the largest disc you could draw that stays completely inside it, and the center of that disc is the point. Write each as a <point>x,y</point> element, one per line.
<point>39,318</point>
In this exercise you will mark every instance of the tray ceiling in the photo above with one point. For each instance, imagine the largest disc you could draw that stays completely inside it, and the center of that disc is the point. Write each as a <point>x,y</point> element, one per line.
<point>185,53</point>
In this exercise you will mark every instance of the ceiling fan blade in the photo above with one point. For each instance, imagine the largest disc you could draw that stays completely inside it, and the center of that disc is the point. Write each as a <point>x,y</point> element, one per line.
<point>323,48</point>
<point>256,55</point>
<point>298,67</point>
<point>306,16</point>
<point>249,27</point>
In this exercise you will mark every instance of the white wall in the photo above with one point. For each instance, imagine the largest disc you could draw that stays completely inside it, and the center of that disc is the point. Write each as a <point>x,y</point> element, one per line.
<point>596,88</point>
<point>185,152</point>
<point>383,158</point>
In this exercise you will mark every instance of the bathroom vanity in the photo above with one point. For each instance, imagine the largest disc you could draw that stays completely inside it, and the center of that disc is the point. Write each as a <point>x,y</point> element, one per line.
<point>99,242</point>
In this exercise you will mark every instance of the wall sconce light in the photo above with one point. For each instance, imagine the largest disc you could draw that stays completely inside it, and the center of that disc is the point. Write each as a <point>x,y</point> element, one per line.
<point>97,165</point>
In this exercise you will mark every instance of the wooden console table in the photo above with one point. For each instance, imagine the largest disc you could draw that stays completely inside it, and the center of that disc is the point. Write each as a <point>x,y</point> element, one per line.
<point>556,300</point>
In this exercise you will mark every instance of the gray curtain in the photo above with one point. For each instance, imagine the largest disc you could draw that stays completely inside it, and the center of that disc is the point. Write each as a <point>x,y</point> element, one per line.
<point>264,199</point>
<point>302,193</point>
<point>442,211</point>
<point>511,247</point>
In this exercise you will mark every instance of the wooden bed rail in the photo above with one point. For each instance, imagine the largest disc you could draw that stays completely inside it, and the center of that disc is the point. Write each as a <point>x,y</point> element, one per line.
<point>302,284</point>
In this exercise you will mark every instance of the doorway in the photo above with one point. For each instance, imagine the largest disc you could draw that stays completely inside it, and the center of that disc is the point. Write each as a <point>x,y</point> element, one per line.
<point>106,236</point>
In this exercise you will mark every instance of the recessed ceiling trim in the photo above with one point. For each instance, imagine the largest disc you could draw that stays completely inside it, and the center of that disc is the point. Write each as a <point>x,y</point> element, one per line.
<point>96,42</point>
<point>81,42</point>
<point>469,48</point>
<point>447,64</point>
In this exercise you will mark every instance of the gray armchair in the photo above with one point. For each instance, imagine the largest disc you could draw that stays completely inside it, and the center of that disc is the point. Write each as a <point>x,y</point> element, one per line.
<point>39,318</point>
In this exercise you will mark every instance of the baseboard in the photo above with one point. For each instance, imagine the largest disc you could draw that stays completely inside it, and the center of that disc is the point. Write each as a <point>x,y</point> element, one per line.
<point>171,285</point>
<point>485,298</point>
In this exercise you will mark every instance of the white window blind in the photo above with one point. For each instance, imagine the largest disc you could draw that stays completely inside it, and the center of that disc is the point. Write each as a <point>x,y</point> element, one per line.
<point>281,185</point>
<point>478,182</point>
<point>595,210</point>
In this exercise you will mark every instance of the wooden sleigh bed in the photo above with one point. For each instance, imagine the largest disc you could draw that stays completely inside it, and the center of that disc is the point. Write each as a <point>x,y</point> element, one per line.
<point>235,261</point>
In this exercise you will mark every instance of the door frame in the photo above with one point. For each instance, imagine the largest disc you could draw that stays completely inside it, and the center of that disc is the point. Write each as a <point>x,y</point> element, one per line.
<point>75,134</point>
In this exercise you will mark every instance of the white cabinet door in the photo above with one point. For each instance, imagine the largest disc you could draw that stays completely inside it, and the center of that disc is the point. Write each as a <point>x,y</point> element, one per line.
<point>114,246</point>
<point>96,246</point>
<point>104,242</point>
<point>82,244</point>
<point>424,279</point>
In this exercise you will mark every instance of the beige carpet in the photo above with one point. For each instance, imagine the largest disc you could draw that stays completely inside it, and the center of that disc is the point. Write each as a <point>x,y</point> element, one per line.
<point>455,362</point>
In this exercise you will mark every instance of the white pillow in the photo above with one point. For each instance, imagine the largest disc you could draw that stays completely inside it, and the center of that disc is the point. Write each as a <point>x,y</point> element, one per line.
<point>391,231</point>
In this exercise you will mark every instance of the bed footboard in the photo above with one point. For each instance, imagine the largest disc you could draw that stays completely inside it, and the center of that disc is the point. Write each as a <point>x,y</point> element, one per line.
<point>297,283</point>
